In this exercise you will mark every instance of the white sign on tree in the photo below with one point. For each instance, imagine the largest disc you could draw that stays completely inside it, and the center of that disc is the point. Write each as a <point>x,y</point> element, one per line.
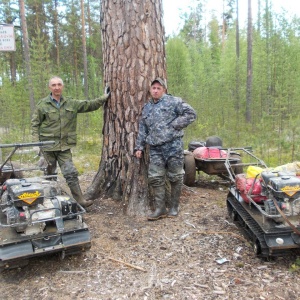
<point>7,38</point>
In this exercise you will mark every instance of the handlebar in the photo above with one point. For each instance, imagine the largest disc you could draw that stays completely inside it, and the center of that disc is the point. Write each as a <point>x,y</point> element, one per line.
<point>33,144</point>
<point>18,146</point>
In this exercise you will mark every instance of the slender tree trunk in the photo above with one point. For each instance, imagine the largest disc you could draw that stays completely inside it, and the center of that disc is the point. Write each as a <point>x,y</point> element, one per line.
<point>133,55</point>
<point>258,16</point>
<point>269,104</point>
<point>75,67</point>
<point>86,86</point>
<point>237,71</point>
<point>249,65</point>
<point>56,34</point>
<point>89,24</point>
<point>13,67</point>
<point>223,27</point>
<point>237,36</point>
<point>89,20</point>
<point>26,54</point>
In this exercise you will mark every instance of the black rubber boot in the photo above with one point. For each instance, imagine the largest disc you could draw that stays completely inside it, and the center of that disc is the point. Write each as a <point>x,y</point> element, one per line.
<point>77,195</point>
<point>160,206</point>
<point>174,201</point>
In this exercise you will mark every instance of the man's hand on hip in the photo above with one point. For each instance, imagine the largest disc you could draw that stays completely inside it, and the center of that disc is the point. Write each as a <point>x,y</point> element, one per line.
<point>139,153</point>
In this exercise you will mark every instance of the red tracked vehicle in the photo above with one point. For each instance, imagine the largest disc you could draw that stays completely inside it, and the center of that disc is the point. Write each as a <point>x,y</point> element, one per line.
<point>266,206</point>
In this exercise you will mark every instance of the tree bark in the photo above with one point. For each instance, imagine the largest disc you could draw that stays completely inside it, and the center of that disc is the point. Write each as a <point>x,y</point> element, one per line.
<point>13,67</point>
<point>27,54</point>
<point>86,85</point>
<point>237,70</point>
<point>56,34</point>
<point>133,55</point>
<point>249,65</point>
<point>223,27</point>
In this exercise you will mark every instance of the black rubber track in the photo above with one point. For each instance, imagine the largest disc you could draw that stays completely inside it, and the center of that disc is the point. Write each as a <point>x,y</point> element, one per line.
<point>250,226</point>
<point>254,231</point>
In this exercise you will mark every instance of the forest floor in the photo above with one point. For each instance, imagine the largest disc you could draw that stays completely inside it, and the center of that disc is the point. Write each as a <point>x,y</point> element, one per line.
<point>172,258</point>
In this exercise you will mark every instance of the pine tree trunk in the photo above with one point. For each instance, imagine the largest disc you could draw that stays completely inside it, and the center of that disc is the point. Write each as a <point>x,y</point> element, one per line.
<point>13,67</point>
<point>86,85</point>
<point>56,34</point>
<point>133,55</point>
<point>237,68</point>
<point>249,65</point>
<point>27,54</point>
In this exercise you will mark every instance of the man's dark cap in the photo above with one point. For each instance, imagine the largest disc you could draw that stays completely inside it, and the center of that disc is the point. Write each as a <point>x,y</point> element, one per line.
<point>160,81</point>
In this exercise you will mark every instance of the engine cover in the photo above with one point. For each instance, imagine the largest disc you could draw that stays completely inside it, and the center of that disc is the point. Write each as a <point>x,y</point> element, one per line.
<point>285,186</point>
<point>22,193</point>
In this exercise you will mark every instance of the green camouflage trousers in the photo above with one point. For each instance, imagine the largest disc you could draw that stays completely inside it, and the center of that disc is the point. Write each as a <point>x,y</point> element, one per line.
<point>65,162</point>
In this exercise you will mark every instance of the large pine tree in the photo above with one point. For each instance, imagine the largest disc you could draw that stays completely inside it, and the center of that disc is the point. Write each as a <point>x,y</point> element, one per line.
<point>133,55</point>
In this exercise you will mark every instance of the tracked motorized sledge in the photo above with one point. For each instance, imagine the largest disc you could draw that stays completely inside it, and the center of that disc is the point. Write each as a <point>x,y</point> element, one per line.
<point>36,216</point>
<point>265,202</point>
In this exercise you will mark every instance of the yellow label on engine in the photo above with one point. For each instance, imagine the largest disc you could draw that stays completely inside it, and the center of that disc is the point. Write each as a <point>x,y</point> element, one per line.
<point>29,198</point>
<point>291,190</point>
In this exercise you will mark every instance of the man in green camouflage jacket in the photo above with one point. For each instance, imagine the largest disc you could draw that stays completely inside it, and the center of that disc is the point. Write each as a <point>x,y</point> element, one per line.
<point>161,127</point>
<point>55,119</point>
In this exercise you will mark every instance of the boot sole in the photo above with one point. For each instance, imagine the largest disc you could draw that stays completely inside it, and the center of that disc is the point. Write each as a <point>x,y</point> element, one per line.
<point>172,216</point>
<point>157,218</point>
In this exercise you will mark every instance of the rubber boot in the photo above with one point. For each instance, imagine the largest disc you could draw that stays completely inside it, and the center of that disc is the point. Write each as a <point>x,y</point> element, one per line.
<point>174,201</point>
<point>77,195</point>
<point>160,206</point>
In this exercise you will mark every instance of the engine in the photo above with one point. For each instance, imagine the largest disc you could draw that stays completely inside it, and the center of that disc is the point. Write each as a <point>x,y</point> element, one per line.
<point>283,188</point>
<point>29,204</point>
<point>22,193</point>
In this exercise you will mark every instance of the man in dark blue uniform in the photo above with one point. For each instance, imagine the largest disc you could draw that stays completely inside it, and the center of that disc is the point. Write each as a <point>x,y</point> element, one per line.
<point>161,127</point>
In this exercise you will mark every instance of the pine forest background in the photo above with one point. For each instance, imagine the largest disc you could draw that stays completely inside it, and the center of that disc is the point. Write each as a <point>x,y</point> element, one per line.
<point>206,65</point>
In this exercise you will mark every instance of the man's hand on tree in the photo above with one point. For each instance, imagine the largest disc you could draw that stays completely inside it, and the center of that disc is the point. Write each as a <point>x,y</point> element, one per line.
<point>107,92</point>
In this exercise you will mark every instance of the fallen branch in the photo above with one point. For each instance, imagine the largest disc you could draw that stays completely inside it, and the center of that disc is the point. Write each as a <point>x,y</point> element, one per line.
<point>186,222</point>
<point>127,264</point>
<point>231,224</point>
<point>71,272</point>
